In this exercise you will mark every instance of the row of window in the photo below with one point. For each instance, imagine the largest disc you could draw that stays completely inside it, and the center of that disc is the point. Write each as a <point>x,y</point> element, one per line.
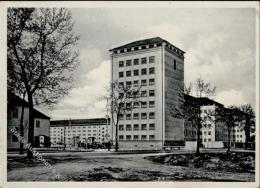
<point>136,83</point>
<point>138,103</point>
<point>136,61</point>
<point>136,127</point>
<point>136,72</point>
<point>136,116</point>
<point>136,137</point>
<point>78,127</point>
<point>53,136</point>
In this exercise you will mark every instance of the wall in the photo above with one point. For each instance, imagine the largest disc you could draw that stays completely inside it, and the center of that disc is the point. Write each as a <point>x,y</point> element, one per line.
<point>174,83</point>
<point>157,52</point>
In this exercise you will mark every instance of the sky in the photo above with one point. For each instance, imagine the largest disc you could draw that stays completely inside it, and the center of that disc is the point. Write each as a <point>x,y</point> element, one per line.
<point>219,46</point>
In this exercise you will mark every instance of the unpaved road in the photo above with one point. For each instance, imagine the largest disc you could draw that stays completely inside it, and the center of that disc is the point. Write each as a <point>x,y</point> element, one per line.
<point>128,167</point>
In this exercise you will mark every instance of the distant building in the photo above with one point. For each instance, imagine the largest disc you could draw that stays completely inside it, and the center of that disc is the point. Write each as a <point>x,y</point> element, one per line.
<point>41,123</point>
<point>158,67</point>
<point>72,131</point>
<point>214,133</point>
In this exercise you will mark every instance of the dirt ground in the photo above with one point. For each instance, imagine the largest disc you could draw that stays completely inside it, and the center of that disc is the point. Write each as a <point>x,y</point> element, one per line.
<point>114,168</point>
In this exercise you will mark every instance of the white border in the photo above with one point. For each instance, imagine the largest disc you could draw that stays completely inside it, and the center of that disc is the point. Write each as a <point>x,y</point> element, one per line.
<point>118,4</point>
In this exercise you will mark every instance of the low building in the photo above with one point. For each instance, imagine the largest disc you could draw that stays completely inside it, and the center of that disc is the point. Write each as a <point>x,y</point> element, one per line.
<point>14,113</point>
<point>73,131</point>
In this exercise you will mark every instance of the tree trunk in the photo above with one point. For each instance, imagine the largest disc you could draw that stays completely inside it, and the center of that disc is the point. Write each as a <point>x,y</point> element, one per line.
<point>21,127</point>
<point>228,146</point>
<point>247,132</point>
<point>116,137</point>
<point>31,126</point>
<point>198,135</point>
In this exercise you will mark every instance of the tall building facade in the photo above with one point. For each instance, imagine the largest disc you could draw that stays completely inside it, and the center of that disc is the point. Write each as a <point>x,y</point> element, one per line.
<point>73,131</point>
<point>157,67</point>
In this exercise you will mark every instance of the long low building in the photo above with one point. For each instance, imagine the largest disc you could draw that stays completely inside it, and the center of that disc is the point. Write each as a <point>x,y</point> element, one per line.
<point>73,131</point>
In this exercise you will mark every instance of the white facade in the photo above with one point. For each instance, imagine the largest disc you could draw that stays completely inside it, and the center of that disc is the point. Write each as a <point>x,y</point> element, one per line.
<point>85,132</point>
<point>149,126</point>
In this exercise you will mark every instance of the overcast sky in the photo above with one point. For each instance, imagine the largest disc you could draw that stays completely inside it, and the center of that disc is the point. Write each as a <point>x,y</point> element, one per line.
<point>219,46</point>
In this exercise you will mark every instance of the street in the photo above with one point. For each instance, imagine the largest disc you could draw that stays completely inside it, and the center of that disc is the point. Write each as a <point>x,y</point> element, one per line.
<point>110,166</point>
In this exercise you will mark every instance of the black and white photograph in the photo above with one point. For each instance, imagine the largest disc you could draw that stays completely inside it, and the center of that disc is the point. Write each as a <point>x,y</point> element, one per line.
<point>155,92</point>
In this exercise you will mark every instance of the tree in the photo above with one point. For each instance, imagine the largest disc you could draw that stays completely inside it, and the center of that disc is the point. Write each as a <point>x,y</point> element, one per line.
<point>41,55</point>
<point>189,106</point>
<point>230,117</point>
<point>248,115</point>
<point>121,99</point>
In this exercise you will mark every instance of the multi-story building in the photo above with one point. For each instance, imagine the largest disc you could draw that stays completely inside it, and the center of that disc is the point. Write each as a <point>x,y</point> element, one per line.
<point>214,133</point>
<point>14,114</point>
<point>239,133</point>
<point>72,131</point>
<point>158,67</point>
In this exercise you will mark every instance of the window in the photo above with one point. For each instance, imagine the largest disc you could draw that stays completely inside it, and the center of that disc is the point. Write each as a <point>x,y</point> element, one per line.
<point>121,63</point>
<point>128,137</point>
<point>209,140</point>
<point>143,137</point>
<point>151,115</point>
<point>128,63</point>
<point>136,72</point>
<point>144,71</point>
<point>143,94</point>
<point>143,60</point>
<point>128,73</point>
<point>121,127</point>
<point>209,133</point>
<point>136,61</point>
<point>151,70</point>
<point>136,83</point>
<point>136,127</point>
<point>151,104</point>
<point>143,104</point>
<point>37,123</point>
<point>128,127</point>
<point>121,84</point>
<point>205,132</point>
<point>121,116</point>
<point>143,82</point>
<point>128,84</point>
<point>151,81</point>
<point>151,126</point>
<point>151,59</point>
<point>144,127</point>
<point>128,105</point>
<point>174,64</point>
<point>121,74</point>
<point>144,116</point>
<point>205,140</point>
<point>151,93</point>
<point>136,137</point>
<point>15,138</point>
<point>136,104</point>
<point>121,137</point>
<point>151,137</point>
<point>136,115</point>
<point>15,113</point>
<point>128,116</point>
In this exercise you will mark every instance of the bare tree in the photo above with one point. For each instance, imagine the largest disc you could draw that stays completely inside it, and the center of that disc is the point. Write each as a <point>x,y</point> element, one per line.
<point>41,55</point>
<point>189,106</point>
<point>249,117</point>
<point>230,117</point>
<point>121,99</point>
